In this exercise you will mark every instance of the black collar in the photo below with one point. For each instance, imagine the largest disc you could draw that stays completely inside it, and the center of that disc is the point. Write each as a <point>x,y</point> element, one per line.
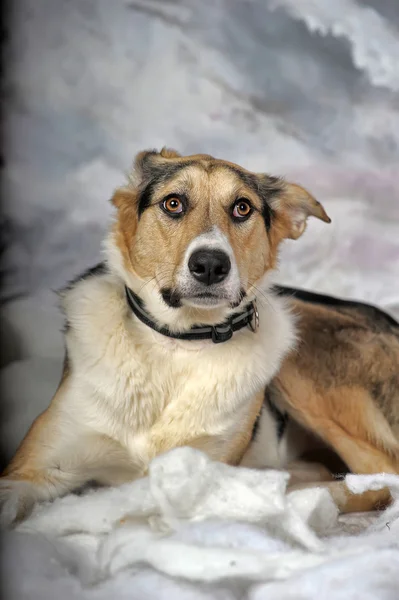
<point>217,333</point>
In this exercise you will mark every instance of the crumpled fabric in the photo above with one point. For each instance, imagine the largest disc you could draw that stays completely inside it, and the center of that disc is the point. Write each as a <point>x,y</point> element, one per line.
<point>209,528</point>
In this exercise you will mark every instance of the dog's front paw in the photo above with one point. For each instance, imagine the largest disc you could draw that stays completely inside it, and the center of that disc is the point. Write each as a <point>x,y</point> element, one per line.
<point>16,501</point>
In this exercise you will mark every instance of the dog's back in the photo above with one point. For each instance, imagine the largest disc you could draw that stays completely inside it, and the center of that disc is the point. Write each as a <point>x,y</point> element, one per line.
<point>347,344</point>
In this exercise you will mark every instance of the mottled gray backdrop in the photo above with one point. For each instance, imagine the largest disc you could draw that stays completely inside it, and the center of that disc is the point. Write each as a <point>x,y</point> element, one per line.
<point>304,88</point>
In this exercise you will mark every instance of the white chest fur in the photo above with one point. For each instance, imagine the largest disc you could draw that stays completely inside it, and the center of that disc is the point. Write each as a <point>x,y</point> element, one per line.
<point>126,379</point>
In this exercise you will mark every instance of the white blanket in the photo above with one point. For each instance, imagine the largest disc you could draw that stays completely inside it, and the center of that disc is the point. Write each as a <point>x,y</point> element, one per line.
<point>199,529</point>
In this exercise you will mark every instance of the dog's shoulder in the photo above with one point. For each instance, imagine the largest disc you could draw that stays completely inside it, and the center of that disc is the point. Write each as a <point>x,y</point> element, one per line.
<point>97,270</point>
<point>93,303</point>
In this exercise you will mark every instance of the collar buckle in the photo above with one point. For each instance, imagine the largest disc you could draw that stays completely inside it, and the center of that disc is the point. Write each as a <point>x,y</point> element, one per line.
<point>222,336</point>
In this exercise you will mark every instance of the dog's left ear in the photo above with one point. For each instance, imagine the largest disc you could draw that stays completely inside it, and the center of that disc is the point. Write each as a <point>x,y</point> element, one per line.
<point>293,205</point>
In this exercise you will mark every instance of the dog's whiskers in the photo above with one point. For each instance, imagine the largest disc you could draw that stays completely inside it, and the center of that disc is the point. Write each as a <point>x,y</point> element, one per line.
<point>157,279</point>
<point>263,297</point>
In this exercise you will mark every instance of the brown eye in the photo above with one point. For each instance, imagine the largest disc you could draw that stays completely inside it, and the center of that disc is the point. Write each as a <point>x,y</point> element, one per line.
<point>173,205</point>
<point>242,209</point>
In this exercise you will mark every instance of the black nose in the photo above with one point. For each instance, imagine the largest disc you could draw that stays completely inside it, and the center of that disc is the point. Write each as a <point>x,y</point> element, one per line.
<point>209,266</point>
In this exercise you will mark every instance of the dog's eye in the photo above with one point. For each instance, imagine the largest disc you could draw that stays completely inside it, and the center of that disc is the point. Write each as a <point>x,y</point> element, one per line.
<point>173,205</point>
<point>242,209</point>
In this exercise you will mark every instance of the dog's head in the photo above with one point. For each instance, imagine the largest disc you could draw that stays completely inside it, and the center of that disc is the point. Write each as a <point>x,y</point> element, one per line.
<point>195,236</point>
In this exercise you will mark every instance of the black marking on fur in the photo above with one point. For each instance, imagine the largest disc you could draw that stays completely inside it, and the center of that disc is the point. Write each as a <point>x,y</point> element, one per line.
<point>171,298</point>
<point>378,389</point>
<point>241,297</point>
<point>143,160</point>
<point>255,428</point>
<point>385,391</point>
<point>373,312</point>
<point>280,418</point>
<point>65,366</point>
<point>99,269</point>
<point>145,198</point>
<point>157,174</point>
<point>271,186</point>
<point>267,213</point>
<point>264,186</point>
<point>249,179</point>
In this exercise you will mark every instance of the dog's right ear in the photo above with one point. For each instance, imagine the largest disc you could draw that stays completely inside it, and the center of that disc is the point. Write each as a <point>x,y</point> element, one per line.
<point>140,174</point>
<point>148,161</point>
<point>147,164</point>
<point>148,157</point>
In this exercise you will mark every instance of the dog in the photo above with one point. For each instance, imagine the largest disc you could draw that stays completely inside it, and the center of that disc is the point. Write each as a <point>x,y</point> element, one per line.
<point>179,338</point>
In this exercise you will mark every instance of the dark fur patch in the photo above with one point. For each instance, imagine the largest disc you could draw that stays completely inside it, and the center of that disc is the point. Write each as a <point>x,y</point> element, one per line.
<point>154,174</point>
<point>144,161</point>
<point>171,298</point>
<point>255,428</point>
<point>378,316</point>
<point>99,269</point>
<point>264,186</point>
<point>66,366</point>
<point>267,213</point>
<point>145,197</point>
<point>243,293</point>
<point>66,327</point>
<point>270,186</point>
<point>280,418</point>
<point>157,175</point>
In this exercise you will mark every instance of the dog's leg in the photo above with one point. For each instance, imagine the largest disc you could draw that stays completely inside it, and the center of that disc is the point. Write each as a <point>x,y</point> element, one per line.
<point>302,471</point>
<point>349,423</point>
<point>58,456</point>
<point>61,469</point>
<point>363,458</point>
<point>346,501</point>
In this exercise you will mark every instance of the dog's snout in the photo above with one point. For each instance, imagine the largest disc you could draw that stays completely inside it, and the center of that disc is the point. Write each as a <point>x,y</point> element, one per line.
<point>209,266</point>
